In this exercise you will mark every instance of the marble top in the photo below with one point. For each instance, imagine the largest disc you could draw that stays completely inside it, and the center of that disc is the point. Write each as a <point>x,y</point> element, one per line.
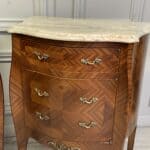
<point>93,30</point>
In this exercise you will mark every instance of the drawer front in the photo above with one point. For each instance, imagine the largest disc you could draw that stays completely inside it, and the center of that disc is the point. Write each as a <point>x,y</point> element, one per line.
<point>63,144</point>
<point>69,95</point>
<point>80,110</point>
<point>74,126</point>
<point>47,58</point>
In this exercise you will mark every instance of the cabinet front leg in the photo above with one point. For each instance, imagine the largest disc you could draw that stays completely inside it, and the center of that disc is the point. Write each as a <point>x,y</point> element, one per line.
<point>131,140</point>
<point>17,106</point>
<point>22,146</point>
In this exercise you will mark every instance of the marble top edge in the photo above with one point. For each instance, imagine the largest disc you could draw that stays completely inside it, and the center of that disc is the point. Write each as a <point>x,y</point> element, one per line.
<point>90,30</point>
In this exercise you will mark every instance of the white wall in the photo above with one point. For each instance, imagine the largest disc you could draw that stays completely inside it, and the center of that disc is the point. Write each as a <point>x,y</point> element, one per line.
<point>108,8</point>
<point>19,8</point>
<point>13,11</point>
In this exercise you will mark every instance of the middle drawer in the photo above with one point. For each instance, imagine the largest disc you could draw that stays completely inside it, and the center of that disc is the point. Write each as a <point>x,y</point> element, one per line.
<point>68,94</point>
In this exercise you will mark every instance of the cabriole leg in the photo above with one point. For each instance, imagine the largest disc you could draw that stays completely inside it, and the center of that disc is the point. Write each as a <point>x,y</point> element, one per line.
<point>131,140</point>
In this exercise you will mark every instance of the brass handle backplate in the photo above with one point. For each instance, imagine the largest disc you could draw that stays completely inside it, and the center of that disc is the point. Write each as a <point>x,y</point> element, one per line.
<point>41,57</point>
<point>90,101</point>
<point>41,93</point>
<point>87,62</point>
<point>58,146</point>
<point>42,117</point>
<point>87,125</point>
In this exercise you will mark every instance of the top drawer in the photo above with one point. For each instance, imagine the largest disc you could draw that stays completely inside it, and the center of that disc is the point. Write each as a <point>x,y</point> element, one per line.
<point>48,56</point>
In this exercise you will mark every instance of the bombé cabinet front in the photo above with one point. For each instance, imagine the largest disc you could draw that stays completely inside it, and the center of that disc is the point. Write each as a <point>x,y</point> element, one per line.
<point>74,95</point>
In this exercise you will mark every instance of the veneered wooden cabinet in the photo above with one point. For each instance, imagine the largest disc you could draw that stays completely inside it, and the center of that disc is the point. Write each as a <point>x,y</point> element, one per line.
<point>69,102</point>
<point>72,95</point>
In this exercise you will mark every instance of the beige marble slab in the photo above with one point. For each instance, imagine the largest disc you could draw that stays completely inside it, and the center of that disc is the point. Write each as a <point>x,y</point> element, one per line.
<point>68,29</point>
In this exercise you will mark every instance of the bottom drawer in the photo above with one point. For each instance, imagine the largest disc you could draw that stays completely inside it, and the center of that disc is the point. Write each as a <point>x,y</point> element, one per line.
<point>69,145</point>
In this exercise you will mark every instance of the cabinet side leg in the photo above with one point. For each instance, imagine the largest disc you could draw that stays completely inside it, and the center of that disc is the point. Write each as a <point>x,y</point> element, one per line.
<point>17,108</point>
<point>131,140</point>
<point>1,116</point>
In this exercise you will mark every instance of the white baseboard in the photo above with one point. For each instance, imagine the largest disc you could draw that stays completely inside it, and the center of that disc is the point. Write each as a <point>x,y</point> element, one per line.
<point>144,121</point>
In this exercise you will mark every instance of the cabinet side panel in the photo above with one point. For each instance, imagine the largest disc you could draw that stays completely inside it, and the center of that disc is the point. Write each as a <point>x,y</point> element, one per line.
<point>16,99</point>
<point>135,63</point>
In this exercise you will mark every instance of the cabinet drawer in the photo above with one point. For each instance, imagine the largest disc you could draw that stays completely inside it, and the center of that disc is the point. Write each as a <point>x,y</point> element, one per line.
<point>47,58</point>
<point>84,108</point>
<point>55,143</point>
<point>74,126</point>
<point>69,95</point>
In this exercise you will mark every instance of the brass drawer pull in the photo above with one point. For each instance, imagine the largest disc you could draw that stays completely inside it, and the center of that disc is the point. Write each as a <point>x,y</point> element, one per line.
<point>42,117</point>
<point>90,101</point>
<point>88,125</point>
<point>58,146</point>
<point>41,57</point>
<point>41,93</point>
<point>87,62</point>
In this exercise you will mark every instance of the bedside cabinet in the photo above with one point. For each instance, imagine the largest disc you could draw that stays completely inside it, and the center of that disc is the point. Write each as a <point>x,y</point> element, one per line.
<point>77,94</point>
<point>2,115</point>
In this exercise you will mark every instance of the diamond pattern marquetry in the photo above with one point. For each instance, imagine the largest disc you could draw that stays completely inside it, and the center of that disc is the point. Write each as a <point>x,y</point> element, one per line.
<point>67,101</point>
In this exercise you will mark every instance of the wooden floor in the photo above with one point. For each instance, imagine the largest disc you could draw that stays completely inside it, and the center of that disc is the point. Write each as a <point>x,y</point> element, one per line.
<point>142,142</point>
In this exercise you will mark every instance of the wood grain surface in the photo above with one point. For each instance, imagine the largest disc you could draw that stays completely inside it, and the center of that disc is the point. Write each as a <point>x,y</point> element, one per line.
<point>46,93</point>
